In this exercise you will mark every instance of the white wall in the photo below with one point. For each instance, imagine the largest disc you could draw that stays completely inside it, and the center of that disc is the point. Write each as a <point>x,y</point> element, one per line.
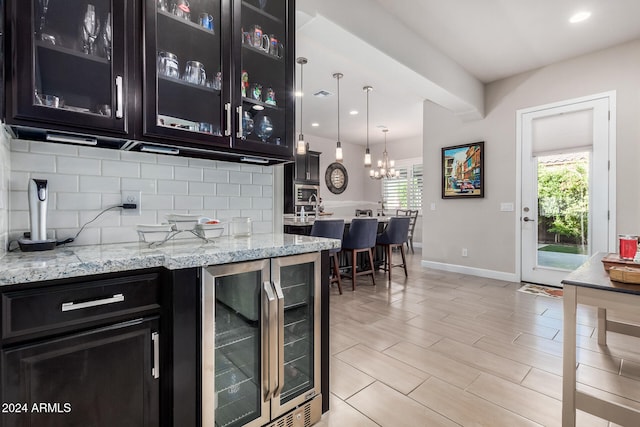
<point>478,224</point>
<point>5,170</point>
<point>83,181</point>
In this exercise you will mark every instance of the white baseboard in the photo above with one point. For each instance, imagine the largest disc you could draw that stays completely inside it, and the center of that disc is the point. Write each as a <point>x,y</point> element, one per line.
<point>473,271</point>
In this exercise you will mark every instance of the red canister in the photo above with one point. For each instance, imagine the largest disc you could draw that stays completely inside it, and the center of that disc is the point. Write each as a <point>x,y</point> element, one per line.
<point>628,246</point>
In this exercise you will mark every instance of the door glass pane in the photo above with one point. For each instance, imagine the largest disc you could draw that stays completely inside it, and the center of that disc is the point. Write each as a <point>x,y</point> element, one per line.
<point>237,349</point>
<point>188,65</point>
<point>297,287</point>
<point>72,64</point>
<point>263,75</point>
<point>563,210</point>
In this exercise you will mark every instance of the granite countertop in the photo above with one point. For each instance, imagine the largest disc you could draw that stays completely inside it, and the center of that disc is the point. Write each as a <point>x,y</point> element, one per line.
<point>290,220</point>
<point>74,261</point>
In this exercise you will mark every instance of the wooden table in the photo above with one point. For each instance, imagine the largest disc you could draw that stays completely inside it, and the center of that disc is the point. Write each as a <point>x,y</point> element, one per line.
<point>590,285</point>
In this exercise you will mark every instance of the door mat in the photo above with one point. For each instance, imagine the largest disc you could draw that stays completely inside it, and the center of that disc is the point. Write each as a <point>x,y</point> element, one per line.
<point>545,291</point>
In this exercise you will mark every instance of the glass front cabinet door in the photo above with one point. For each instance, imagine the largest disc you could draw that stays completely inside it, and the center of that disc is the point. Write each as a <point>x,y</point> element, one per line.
<point>265,72</point>
<point>186,83</point>
<point>69,64</point>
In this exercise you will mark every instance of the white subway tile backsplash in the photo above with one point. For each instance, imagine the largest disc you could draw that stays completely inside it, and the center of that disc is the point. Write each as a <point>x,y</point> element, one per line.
<point>156,171</point>
<point>181,173</point>
<point>98,153</point>
<point>228,190</point>
<point>172,160</point>
<point>144,185</point>
<point>120,169</point>
<point>138,157</point>
<point>240,177</point>
<point>99,184</point>
<point>202,188</point>
<point>85,180</point>
<point>55,149</point>
<point>78,201</point>
<point>173,187</point>
<point>251,190</point>
<point>28,162</point>
<point>188,202</point>
<point>18,200</point>
<point>216,203</point>
<point>262,179</point>
<point>78,165</point>
<point>216,175</point>
<point>157,202</point>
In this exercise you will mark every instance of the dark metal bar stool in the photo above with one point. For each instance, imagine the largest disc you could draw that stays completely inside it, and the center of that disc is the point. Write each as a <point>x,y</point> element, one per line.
<point>394,236</point>
<point>332,229</point>
<point>361,238</point>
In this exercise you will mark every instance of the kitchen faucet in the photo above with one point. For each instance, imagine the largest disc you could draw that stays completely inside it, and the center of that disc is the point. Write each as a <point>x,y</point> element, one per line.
<point>315,209</point>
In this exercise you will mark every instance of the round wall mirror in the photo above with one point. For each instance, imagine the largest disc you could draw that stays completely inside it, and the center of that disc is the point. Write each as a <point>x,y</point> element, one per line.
<point>336,178</point>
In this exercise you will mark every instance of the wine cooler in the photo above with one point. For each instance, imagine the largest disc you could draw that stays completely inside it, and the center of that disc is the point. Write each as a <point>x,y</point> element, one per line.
<point>261,343</point>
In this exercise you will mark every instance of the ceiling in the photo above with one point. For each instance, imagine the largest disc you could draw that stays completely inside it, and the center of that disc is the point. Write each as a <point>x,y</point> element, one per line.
<point>444,51</point>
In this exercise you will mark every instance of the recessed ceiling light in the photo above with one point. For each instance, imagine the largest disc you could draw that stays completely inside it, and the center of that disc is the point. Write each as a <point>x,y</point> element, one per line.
<point>353,112</point>
<point>580,16</point>
<point>381,127</point>
<point>315,125</point>
<point>322,94</point>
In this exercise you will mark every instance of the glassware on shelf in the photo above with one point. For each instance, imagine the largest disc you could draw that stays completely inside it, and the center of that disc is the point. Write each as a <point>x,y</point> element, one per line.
<point>206,21</point>
<point>90,29</point>
<point>264,128</point>
<point>182,10</point>
<point>168,65</point>
<point>107,37</point>
<point>44,4</point>
<point>256,91</point>
<point>262,4</point>
<point>270,96</point>
<point>194,73</point>
<point>247,123</point>
<point>244,83</point>
<point>162,5</point>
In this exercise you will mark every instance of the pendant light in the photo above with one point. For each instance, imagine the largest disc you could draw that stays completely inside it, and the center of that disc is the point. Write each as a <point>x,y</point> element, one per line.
<point>386,167</point>
<point>301,146</point>
<point>339,157</point>
<point>367,153</point>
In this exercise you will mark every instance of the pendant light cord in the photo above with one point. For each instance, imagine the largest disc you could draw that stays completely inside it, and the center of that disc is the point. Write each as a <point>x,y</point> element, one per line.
<point>301,93</point>
<point>338,78</point>
<point>368,117</point>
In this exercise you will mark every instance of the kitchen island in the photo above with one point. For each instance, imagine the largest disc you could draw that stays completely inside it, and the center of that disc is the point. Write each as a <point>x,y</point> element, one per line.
<point>116,334</point>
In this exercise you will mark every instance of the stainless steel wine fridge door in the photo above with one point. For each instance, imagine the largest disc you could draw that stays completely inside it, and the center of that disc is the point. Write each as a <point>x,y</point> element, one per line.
<point>238,305</point>
<point>296,281</point>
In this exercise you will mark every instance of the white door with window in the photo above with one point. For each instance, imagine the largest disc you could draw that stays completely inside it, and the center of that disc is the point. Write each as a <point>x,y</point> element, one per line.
<point>566,197</point>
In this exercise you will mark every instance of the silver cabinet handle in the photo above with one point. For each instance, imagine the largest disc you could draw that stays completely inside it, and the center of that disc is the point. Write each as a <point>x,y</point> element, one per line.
<point>227,113</point>
<point>280,296</point>
<point>155,371</point>
<point>119,98</point>
<point>270,346</point>
<point>70,306</point>
<point>239,111</point>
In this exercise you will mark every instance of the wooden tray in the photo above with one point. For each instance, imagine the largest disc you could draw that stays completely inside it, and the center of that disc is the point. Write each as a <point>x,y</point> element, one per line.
<point>625,274</point>
<point>611,260</point>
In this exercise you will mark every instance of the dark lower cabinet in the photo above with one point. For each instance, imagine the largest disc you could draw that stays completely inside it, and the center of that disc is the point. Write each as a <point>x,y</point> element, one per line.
<point>104,377</point>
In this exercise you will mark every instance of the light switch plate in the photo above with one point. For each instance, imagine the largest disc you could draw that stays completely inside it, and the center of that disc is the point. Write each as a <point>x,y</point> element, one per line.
<point>506,207</point>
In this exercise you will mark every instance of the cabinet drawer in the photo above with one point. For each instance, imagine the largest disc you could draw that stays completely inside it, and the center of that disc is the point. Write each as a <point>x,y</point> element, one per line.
<point>55,307</point>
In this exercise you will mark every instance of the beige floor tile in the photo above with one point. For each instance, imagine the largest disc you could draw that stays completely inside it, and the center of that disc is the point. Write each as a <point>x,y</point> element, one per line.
<point>544,382</point>
<point>346,380</point>
<point>388,408</point>
<point>606,381</point>
<point>465,408</point>
<point>369,335</point>
<point>483,360</point>
<point>339,342</point>
<point>434,363</point>
<point>341,414</point>
<point>386,369</point>
<point>480,326</point>
<point>409,333</point>
<point>526,356</point>
<point>452,331</point>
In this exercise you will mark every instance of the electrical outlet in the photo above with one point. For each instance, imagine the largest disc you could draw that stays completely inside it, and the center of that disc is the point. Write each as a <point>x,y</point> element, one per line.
<point>465,252</point>
<point>129,196</point>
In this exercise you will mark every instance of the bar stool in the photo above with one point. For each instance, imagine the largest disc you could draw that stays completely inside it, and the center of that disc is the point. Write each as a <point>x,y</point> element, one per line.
<point>394,236</point>
<point>332,229</point>
<point>361,237</point>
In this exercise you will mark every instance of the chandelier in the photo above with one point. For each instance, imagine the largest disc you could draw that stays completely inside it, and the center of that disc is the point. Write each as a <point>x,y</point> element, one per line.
<point>386,167</point>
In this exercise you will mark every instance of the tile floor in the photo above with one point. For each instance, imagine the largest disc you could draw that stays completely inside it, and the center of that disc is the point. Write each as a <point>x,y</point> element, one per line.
<point>446,349</point>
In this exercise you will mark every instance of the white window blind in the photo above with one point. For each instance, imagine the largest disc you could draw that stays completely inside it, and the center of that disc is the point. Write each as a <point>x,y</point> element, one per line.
<point>404,192</point>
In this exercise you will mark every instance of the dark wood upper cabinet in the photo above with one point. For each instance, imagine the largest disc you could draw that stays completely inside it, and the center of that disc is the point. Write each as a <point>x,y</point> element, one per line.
<point>203,76</point>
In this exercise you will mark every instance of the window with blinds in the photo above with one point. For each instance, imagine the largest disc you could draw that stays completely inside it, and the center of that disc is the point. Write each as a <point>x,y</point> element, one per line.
<point>404,192</point>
